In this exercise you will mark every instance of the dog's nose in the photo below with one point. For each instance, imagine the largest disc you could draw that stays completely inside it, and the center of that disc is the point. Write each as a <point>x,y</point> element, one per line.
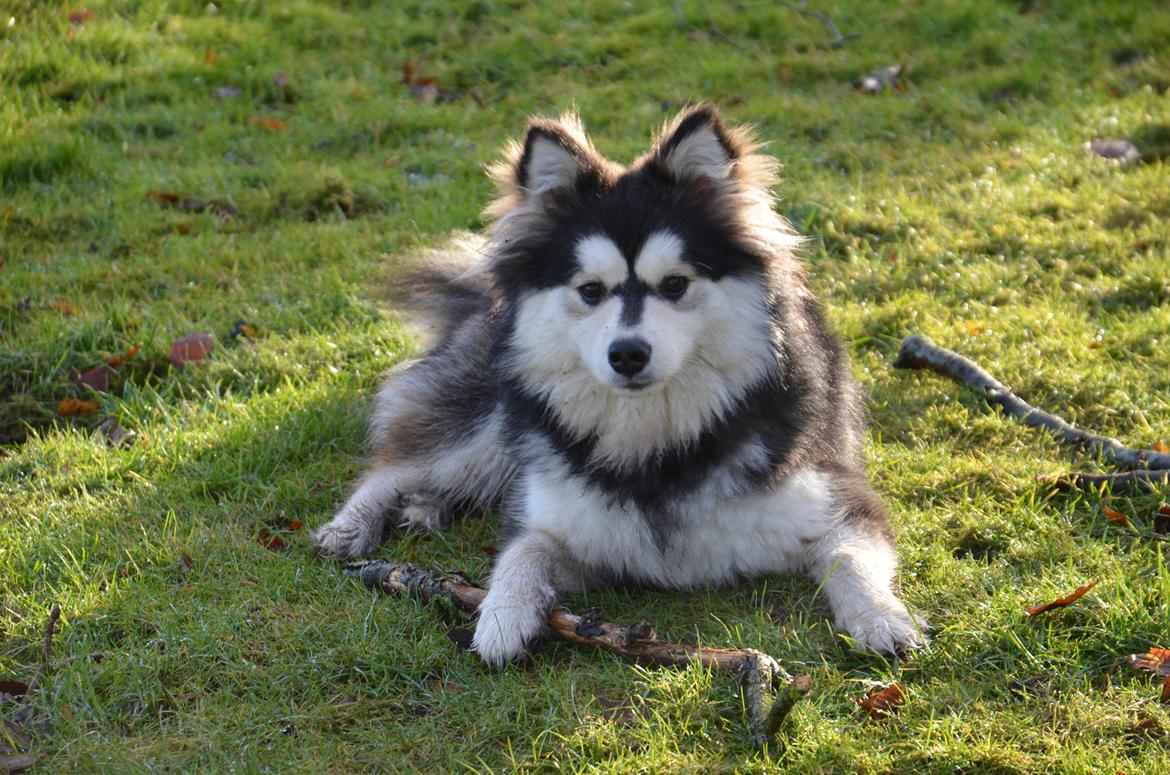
<point>629,356</point>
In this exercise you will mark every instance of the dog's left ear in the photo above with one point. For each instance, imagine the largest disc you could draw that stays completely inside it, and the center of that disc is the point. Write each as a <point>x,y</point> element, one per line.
<point>698,145</point>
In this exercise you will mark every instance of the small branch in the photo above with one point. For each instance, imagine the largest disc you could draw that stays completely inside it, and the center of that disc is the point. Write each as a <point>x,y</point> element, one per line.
<point>760,675</point>
<point>24,712</point>
<point>919,352</point>
<point>1144,478</point>
<point>838,40</point>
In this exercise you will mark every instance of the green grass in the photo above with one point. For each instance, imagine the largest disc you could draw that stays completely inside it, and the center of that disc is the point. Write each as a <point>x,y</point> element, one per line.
<point>965,208</point>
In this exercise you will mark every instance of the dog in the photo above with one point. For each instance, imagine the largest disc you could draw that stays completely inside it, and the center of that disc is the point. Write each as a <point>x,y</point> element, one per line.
<point>631,367</point>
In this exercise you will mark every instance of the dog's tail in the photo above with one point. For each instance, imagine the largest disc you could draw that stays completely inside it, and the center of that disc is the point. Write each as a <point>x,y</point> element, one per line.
<point>440,288</point>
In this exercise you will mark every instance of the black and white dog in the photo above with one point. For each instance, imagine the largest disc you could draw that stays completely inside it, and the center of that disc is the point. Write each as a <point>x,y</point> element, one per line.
<point>631,364</point>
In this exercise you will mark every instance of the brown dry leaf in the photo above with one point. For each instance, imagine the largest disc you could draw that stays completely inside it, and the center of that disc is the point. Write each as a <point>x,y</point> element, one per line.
<point>270,540</point>
<point>1114,516</point>
<point>75,407</point>
<point>186,564</point>
<point>209,57</point>
<point>461,637</point>
<point>1077,594</point>
<point>242,329</point>
<point>15,688</point>
<point>1165,695</point>
<point>623,712</point>
<point>973,328</point>
<point>1160,446</point>
<point>97,378</point>
<point>1162,520</point>
<point>19,762</point>
<point>191,348</point>
<point>164,197</point>
<point>1156,661</point>
<point>490,551</point>
<point>65,307</point>
<point>883,702</point>
<point>78,18</point>
<point>118,360</point>
<point>268,124</point>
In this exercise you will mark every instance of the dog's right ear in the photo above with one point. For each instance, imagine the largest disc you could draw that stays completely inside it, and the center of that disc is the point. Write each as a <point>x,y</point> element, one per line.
<point>552,160</point>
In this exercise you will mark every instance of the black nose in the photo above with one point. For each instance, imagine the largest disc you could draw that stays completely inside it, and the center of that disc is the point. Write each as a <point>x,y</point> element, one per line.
<point>629,356</point>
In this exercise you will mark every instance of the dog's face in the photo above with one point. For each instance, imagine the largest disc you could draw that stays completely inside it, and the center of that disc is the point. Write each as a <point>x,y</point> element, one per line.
<point>631,280</point>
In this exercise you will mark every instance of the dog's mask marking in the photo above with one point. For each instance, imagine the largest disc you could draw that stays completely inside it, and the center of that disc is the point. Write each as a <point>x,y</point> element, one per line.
<point>661,256</point>
<point>601,260</point>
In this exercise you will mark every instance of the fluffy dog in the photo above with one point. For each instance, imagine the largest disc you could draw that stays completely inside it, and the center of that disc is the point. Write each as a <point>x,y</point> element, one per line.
<point>631,365</point>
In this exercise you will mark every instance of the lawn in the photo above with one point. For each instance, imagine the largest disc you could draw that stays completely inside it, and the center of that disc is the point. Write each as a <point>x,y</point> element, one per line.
<point>171,168</point>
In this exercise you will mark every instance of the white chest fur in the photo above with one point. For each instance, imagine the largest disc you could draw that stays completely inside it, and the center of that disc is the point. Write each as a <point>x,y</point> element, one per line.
<point>716,535</point>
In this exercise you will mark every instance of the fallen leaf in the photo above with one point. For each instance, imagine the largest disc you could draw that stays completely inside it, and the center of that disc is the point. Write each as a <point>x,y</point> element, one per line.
<point>624,712</point>
<point>115,434</point>
<point>97,378</point>
<point>270,540</point>
<point>1160,446</point>
<point>490,551</point>
<point>209,57</point>
<point>1062,602</point>
<point>242,329</point>
<point>1156,661</point>
<point>295,524</point>
<point>15,688</point>
<point>186,564</point>
<point>1115,517</point>
<point>1095,344</point>
<point>164,197</point>
<point>118,360</point>
<point>268,124</point>
<point>1162,520</point>
<point>10,763</point>
<point>1115,149</point>
<point>877,80</point>
<point>65,307</point>
<point>973,328</point>
<point>1165,695</point>
<point>191,348</point>
<point>97,656</point>
<point>425,89</point>
<point>78,18</point>
<point>461,637</point>
<point>450,686</point>
<point>883,702</point>
<point>1146,729</point>
<point>75,407</point>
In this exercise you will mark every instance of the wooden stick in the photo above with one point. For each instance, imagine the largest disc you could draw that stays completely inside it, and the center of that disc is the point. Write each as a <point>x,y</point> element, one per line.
<point>1147,478</point>
<point>919,352</point>
<point>769,692</point>
<point>24,712</point>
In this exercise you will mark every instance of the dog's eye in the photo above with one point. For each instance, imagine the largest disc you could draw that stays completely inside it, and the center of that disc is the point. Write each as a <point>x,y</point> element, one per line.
<point>675,286</point>
<point>591,293</point>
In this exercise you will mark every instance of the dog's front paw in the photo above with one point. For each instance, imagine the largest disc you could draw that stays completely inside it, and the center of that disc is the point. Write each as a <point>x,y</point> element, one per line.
<point>506,629</point>
<point>885,628</point>
<point>345,538</point>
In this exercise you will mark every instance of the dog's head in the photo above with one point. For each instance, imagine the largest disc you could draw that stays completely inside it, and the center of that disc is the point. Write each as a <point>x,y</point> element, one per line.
<point>630,280</point>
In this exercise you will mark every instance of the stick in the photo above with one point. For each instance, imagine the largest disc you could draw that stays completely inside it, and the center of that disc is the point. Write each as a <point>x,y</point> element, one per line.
<point>919,352</point>
<point>759,674</point>
<point>838,40</point>
<point>24,712</point>
<point>1147,478</point>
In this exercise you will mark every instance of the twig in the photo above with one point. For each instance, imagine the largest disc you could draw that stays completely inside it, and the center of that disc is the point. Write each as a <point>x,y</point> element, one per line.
<point>769,692</point>
<point>1147,478</point>
<point>919,352</point>
<point>838,40</point>
<point>24,712</point>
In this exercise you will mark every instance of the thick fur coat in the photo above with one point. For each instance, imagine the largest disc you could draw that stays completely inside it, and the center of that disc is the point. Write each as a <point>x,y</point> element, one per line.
<point>631,365</point>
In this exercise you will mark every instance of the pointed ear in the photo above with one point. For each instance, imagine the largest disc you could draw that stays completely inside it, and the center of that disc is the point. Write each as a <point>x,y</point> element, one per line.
<point>555,155</point>
<point>698,145</point>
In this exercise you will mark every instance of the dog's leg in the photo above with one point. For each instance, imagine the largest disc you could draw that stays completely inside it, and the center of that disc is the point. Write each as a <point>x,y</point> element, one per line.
<point>523,588</point>
<point>358,526</point>
<point>857,564</point>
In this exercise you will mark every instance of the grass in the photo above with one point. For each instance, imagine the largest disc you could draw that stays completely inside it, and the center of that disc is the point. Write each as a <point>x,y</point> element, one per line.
<point>964,207</point>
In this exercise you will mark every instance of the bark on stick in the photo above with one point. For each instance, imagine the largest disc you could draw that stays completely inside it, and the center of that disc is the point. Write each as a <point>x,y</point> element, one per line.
<point>769,692</point>
<point>919,352</point>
